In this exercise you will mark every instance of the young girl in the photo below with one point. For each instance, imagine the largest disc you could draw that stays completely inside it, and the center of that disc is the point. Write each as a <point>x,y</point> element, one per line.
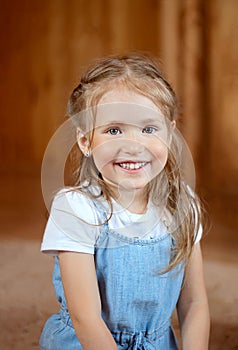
<point>126,236</point>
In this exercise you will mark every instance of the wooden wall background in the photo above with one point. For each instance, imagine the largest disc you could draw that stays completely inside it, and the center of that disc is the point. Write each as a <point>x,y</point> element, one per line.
<point>45,44</point>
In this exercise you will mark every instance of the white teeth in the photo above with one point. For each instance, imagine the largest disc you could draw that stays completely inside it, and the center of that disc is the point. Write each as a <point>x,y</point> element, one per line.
<point>132,166</point>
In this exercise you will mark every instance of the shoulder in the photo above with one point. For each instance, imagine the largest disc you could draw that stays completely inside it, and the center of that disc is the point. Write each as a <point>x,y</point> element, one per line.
<point>73,223</point>
<point>77,203</point>
<point>196,207</point>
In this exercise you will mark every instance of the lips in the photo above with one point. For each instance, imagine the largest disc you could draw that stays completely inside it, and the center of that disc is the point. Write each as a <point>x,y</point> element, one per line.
<point>132,165</point>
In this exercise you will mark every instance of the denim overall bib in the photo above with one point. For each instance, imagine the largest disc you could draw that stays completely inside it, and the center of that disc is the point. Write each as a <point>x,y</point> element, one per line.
<point>137,299</point>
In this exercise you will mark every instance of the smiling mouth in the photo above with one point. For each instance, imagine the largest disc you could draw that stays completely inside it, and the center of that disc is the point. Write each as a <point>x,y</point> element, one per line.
<point>132,166</point>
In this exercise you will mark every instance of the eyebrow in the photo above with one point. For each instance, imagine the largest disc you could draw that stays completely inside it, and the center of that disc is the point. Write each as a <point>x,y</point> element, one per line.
<point>143,122</point>
<point>152,120</point>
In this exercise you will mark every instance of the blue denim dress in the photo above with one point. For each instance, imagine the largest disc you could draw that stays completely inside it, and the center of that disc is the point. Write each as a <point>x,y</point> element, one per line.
<point>137,299</point>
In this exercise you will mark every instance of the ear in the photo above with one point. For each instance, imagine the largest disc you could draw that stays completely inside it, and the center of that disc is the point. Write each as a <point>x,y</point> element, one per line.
<point>173,124</point>
<point>82,141</point>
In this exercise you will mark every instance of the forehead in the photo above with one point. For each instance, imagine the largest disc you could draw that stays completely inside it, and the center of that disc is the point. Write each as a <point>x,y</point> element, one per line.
<point>126,106</point>
<point>127,96</point>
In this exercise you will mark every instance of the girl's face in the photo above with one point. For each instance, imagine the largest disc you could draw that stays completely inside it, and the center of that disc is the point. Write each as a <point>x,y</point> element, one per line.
<point>129,143</point>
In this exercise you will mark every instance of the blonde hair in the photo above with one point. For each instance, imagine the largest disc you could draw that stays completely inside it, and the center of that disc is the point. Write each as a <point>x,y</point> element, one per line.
<point>141,74</point>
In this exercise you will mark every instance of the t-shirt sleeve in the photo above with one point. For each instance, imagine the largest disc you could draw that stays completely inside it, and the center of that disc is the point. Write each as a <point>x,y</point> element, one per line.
<point>199,232</point>
<point>72,224</point>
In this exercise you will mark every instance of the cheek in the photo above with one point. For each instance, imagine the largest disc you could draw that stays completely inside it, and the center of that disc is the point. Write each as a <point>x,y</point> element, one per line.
<point>103,153</point>
<point>160,159</point>
<point>160,152</point>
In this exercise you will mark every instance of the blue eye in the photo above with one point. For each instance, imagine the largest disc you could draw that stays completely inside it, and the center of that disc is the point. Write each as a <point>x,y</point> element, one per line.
<point>113,131</point>
<point>149,130</point>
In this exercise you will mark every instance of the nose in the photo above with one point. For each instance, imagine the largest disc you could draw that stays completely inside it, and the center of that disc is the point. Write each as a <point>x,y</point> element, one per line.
<point>132,146</point>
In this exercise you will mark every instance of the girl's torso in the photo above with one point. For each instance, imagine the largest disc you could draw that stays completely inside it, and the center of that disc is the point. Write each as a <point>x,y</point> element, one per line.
<point>137,298</point>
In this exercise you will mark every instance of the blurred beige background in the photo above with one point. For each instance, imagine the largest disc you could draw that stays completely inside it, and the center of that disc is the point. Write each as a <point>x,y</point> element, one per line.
<point>45,45</point>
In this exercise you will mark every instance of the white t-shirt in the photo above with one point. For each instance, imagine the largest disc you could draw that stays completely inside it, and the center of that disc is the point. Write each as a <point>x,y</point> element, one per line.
<point>74,223</point>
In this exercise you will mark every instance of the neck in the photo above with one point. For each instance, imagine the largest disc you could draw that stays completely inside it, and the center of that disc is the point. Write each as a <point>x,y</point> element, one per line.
<point>135,200</point>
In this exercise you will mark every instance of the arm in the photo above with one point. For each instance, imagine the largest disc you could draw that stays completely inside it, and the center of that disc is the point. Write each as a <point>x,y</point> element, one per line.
<point>192,306</point>
<point>83,300</point>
